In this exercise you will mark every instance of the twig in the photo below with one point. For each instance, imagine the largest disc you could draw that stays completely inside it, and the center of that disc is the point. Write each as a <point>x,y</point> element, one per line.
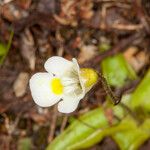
<point>53,124</point>
<point>108,90</point>
<point>120,47</point>
<point>129,27</point>
<point>140,14</point>
<point>116,100</point>
<point>65,119</point>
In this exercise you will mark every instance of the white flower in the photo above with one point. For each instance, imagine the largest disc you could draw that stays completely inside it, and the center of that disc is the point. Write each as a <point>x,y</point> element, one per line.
<point>63,83</point>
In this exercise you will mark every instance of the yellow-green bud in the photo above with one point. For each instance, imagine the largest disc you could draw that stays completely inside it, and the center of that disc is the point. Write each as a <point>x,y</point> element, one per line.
<point>89,76</point>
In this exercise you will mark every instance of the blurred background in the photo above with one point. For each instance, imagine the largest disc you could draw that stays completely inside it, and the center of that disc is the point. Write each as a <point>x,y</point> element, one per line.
<point>111,36</point>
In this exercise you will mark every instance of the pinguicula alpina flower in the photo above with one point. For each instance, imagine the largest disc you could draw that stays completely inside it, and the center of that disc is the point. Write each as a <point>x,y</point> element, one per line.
<point>63,83</point>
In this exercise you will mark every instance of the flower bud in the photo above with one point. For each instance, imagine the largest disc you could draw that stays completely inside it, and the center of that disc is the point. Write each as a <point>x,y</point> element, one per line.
<point>89,76</point>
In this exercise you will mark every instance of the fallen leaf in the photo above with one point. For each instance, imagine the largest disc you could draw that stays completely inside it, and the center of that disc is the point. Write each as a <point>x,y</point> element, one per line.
<point>12,12</point>
<point>28,48</point>
<point>136,59</point>
<point>87,52</point>
<point>20,84</point>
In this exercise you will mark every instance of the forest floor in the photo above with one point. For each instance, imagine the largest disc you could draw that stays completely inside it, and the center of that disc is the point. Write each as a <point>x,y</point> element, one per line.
<point>67,28</point>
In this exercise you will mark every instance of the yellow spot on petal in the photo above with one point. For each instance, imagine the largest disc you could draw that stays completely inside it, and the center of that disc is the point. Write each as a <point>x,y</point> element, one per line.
<point>89,76</point>
<point>56,86</point>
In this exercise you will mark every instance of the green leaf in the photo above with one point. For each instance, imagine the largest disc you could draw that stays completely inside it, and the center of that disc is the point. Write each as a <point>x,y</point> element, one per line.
<point>92,127</point>
<point>141,96</point>
<point>4,49</point>
<point>116,70</point>
<point>97,136</point>
<point>80,130</point>
<point>104,47</point>
<point>141,138</point>
<point>133,136</point>
<point>24,144</point>
<point>118,110</point>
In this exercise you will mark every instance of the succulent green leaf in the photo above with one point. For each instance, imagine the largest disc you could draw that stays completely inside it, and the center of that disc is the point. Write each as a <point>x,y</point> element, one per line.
<point>25,144</point>
<point>81,130</point>
<point>133,136</point>
<point>116,70</point>
<point>141,96</point>
<point>4,49</point>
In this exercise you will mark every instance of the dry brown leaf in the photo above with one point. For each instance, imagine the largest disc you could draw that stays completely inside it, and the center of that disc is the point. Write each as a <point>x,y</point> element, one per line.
<point>20,84</point>
<point>39,118</point>
<point>87,52</point>
<point>86,11</point>
<point>28,48</point>
<point>71,10</point>
<point>25,4</point>
<point>11,12</point>
<point>137,61</point>
<point>128,54</point>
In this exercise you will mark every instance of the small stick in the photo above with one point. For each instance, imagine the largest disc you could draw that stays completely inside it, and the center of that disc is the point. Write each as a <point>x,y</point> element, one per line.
<point>65,119</point>
<point>120,47</point>
<point>108,90</point>
<point>116,100</point>
<point>53,124</point>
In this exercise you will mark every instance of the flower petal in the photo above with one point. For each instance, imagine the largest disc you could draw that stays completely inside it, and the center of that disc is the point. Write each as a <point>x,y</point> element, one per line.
<point>57,65</point>
<point>76,65</point>
<point>41,91</point>
<point>68,104</point>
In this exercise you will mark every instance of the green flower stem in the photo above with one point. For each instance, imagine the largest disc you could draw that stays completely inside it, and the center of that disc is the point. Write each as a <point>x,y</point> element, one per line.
<point>116,100</point>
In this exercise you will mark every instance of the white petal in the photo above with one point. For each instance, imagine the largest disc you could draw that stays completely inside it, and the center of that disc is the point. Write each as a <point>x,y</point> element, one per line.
<point>40,90</point>
<point>57,65</point>
<point>76,65</point>
<point>68,104</point>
